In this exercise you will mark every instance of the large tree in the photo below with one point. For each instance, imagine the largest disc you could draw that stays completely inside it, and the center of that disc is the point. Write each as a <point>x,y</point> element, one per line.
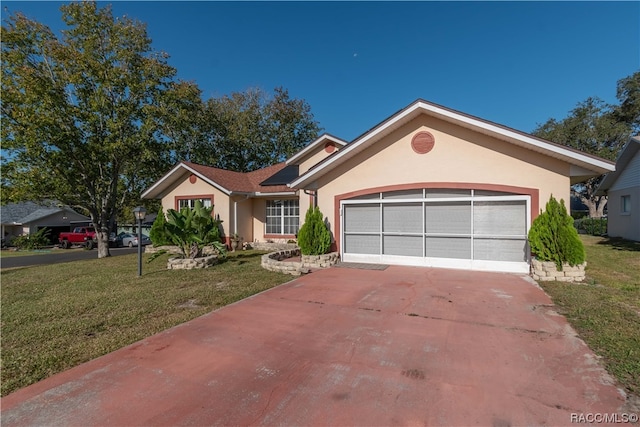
<point>249,130</point>
<point>600,129</point>
<point>80,111</point>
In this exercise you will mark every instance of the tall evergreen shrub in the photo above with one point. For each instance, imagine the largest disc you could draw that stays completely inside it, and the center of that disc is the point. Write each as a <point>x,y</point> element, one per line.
<point>553,237</point>
<point>157,234</point>
<point>314,238</point>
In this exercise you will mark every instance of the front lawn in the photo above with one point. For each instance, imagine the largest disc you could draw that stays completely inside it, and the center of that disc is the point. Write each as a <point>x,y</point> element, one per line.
<point>57,316</point>
<point>605,309</point>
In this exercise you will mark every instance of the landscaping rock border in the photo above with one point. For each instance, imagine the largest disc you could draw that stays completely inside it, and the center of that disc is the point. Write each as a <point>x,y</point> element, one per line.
<point>274,261</point>
<point>546,271</point>
<point>191,263</point>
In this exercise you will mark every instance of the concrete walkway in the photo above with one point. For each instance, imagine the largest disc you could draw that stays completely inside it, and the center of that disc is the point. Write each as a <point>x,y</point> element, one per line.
<point>403,346</point>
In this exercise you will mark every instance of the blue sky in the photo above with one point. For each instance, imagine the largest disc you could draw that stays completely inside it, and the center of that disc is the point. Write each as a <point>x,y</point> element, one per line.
<point>356,63</point>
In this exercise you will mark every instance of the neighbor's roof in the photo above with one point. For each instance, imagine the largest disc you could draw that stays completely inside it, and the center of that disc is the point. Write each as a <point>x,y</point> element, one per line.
<point>628,152</point>
<point>583,165</point>
<point>27,212</point>
<point>224,180</point>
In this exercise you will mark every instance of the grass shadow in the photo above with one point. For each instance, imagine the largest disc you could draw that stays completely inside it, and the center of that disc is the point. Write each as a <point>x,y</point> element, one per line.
<point>621,244</point>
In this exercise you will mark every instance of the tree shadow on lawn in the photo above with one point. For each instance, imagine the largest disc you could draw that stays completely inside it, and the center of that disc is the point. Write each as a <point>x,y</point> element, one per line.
<point>621,244</point>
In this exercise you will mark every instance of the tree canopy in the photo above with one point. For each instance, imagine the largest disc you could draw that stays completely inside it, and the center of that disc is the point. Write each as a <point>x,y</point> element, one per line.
<point>79,111</point>
<point>93,116</point>
<point>246,131</point>
<point>597,128</point>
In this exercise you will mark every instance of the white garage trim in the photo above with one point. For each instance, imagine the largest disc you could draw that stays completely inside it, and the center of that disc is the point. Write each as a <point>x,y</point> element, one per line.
<point>460,226</point>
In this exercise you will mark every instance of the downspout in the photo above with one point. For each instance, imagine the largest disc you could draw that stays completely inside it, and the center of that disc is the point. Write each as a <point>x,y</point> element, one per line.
<point>314,194</point>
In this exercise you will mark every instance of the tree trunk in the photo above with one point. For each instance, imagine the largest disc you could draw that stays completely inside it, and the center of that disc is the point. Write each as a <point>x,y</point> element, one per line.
<point>103,244</point>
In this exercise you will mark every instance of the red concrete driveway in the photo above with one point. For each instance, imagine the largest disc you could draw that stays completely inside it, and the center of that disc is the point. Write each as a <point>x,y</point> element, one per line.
<point>404,346</point>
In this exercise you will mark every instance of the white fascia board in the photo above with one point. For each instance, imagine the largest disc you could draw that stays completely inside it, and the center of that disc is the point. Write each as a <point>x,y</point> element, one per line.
<point>568,155</point>
<point>173,171</point>
<point>324,137</point>
<point>280,193</point>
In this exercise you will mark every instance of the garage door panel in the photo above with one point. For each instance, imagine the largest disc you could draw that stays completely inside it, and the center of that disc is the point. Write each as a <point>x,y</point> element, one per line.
<point>402,245</point>
<point>448,247</point>
<point>362,218</point>
<point>448,218</point>
<point>505,218</point>
<point>402,218</point>
<point>362,244</point>
<point>500,249</point>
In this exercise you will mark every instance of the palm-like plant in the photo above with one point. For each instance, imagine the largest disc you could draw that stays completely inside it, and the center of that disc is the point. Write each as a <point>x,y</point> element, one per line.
<point>192,229</point>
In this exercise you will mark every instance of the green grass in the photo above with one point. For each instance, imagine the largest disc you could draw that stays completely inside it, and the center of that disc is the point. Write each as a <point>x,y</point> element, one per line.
<point>605,309</point>
<point>57,316</point>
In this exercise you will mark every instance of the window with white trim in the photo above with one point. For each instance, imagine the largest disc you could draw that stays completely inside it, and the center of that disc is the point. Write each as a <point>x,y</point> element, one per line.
<point>625,204</point>
<point>190,203</point>
<point>283,217</point>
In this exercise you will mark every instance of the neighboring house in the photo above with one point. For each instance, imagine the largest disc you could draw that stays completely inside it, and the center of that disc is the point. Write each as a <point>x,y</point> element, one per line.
<point>623,189</point>
<point>428,186</point>
<point>29,217</point>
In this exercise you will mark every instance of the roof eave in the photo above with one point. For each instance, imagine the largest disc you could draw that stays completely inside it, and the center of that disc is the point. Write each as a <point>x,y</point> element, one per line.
<point>306,150</point>
<point>155,191</point>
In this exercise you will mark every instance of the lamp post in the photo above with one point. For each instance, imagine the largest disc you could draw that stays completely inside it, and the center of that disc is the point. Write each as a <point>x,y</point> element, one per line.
<point>139,213</point>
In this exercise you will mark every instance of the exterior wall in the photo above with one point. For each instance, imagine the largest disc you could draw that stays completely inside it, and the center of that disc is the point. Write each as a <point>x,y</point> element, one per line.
<point>630,176</point>
<point>313,159</point>
<point>259,219</point>
<point>458,156</point>
<point>200,189</point>
<point>244,216</point>
<point>622,225</point>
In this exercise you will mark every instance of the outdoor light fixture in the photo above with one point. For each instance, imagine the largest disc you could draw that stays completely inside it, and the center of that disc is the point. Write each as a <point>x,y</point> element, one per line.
<point>139,213</point>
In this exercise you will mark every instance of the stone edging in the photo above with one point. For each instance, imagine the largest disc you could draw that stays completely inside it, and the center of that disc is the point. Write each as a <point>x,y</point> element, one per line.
<point>273,261</point>
<point>546,271</point>
<point>191,263</point>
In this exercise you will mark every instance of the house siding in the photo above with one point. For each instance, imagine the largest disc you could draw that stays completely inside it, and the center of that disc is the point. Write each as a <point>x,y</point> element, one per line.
<point>630,176</point>
<point>625,225</point>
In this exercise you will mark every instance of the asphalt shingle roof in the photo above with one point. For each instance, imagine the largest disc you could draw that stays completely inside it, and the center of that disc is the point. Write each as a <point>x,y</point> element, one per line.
<point>245,182</point>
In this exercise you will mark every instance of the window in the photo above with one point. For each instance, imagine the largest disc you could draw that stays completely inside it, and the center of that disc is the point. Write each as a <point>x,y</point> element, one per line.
<point>283,217</point>
<point>625,204</point>
<point>190,203</point>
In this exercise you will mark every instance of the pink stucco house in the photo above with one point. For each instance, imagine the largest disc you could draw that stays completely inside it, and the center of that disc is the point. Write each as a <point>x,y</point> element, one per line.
<point>428,186</point>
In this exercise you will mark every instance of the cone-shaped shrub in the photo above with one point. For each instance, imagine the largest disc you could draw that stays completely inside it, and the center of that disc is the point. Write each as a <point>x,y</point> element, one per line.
<point>157,234</point>
<point>314,237</point>
<point>553,237</point>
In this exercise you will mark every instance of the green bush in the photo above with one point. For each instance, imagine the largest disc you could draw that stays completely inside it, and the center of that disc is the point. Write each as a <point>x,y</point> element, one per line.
<point>192,229</point>
<point>158,234</point>
<point>314,238</point>
<point>29,242</point>
<point>552,236</point>
<point>592,226</point>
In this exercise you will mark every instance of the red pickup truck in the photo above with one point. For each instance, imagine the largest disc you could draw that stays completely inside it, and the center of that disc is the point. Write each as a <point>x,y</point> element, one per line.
<point>79,236</point>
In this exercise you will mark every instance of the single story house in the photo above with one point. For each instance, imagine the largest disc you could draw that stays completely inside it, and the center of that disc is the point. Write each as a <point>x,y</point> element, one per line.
<point>623,189</point>
<point>25,218</point>
<point>428,186</point>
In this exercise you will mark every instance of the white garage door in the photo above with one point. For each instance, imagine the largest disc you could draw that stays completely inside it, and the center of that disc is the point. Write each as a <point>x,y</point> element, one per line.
<point>470,229</point>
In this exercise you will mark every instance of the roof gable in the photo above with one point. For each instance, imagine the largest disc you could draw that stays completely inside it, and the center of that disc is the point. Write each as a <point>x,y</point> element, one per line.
<point>27,212</point>
<point>224,180</point>
<point>582,164</point>
<point>627,167</point>
<point>314,147</point>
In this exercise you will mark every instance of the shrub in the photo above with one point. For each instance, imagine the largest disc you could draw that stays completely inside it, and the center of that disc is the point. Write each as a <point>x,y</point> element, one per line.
<point>314,238</point>
<point>592,226</point>
<point>158,233</point>
<point>192,229</point>
<point>37,240</point>
<point>552,236</point>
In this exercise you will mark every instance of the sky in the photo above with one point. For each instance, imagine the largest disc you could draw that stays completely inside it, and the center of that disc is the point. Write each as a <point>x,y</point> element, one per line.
<point>357,63</point>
